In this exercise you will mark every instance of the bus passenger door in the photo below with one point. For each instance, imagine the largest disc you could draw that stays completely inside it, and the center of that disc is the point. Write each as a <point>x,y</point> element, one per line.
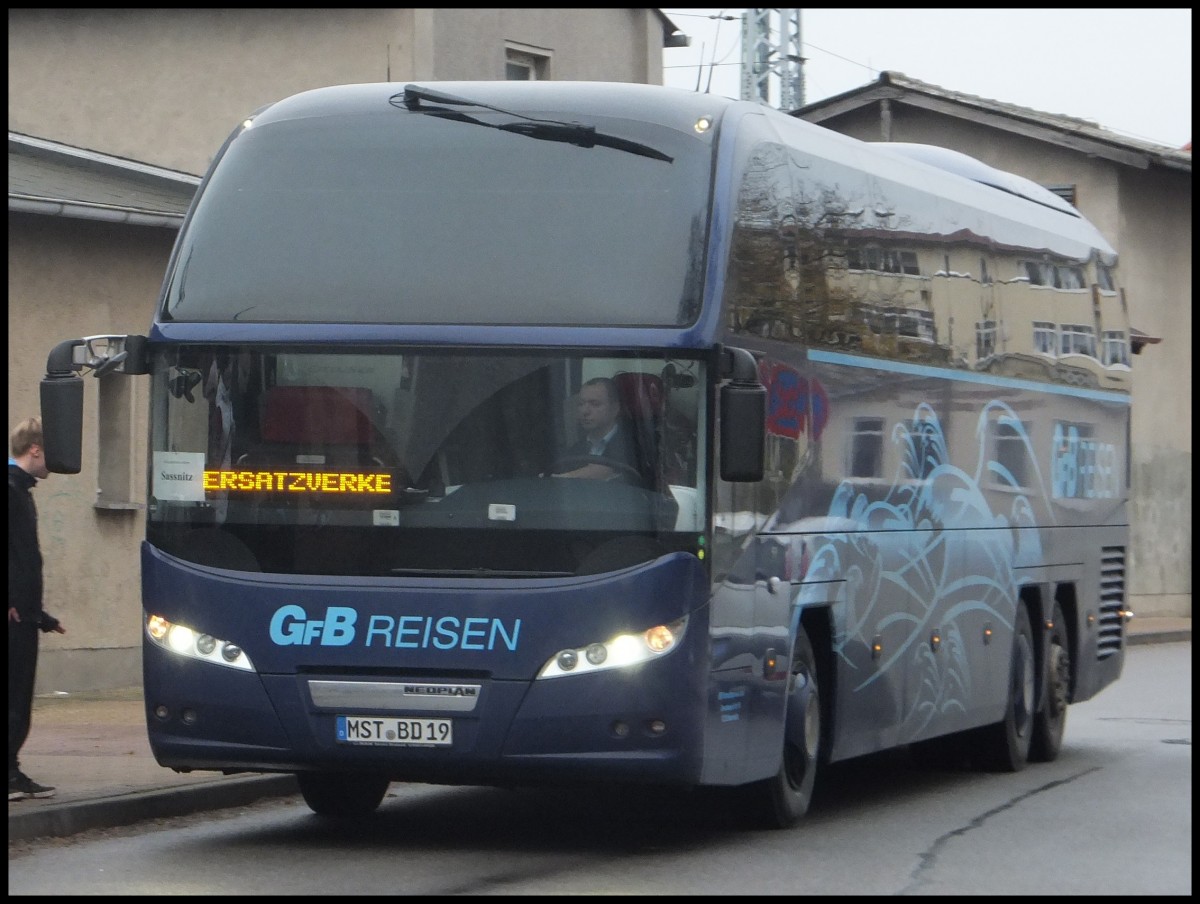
<point>733,659</point>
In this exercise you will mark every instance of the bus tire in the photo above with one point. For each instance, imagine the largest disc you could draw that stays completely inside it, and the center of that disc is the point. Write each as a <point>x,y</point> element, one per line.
<point>1051,720</point>
<point>783,800</point>
<point>342,794</point>
<point>1004,746</point>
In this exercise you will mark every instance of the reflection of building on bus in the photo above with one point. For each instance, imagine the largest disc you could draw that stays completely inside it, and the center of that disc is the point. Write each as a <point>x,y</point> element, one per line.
<point>849,273</point>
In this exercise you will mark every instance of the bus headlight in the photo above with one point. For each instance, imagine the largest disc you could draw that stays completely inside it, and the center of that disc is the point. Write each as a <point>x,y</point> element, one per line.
<point>620,652</point>
<point>183,641</point>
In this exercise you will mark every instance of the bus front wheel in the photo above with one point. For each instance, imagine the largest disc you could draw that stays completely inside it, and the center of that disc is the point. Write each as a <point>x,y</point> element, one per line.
<point>342,793</point>
<point>784,799</point>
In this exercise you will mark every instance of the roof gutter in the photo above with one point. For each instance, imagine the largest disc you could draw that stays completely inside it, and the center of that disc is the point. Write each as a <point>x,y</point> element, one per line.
<point>103,213</point>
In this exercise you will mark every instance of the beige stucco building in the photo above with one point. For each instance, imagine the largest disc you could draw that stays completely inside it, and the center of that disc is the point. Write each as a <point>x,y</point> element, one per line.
<point>115,114</point>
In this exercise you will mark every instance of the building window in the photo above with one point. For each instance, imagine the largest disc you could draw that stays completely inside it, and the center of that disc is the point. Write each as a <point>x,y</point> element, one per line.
<point>1114,349</point>
<point>1037,273</point>
<point>917,324</point>
<point>1045,337</point>
<point>883,260</point>
<point>1068,277</point>
<point>902,262</point>
<point>1062,276</point>
<point>525,64</point>
<point>1009,452</point>
<point>1077,339</point>
<point>866,447</point>
<point>1104,278</point>
<point>985,339</point>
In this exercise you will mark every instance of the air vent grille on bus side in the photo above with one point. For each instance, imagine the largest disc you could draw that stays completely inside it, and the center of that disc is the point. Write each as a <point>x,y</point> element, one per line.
<point>1112,600</point>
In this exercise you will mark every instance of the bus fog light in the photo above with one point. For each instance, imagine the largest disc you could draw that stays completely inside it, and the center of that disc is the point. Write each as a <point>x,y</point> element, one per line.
<point>620,729</point>
<point>567,660</point>
<point>596,653</point>
<point>189,716</point>
<point>161,711</point>
<point>230,652</point>
<point>657,726</point>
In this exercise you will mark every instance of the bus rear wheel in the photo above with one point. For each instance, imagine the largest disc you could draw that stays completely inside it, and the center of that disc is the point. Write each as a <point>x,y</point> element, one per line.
<point>1051,720</point>
<point>1004,746</point>
<point>783,800</point>
<point>342,793</point>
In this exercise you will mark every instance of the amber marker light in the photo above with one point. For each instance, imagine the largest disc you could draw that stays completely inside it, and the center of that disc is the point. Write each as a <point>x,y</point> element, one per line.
<point>157,627</point>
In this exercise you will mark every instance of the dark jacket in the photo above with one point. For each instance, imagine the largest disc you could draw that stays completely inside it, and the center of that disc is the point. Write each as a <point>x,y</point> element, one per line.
<point>24,553</point>
<point>624,448</point>
<point>619,448</point>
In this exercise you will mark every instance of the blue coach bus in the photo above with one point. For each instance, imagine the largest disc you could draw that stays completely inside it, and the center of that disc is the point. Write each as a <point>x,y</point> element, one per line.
<point>873,488</point>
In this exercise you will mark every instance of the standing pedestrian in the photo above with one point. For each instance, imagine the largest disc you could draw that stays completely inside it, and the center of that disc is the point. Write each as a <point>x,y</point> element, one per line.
<point>26,464</point>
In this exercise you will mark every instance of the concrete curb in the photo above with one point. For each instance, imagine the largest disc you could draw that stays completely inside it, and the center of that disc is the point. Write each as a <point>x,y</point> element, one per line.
<point>71,817</point>
<point>1159,637</point>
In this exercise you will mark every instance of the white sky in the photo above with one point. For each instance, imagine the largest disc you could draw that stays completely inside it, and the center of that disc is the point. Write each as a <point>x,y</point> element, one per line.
<point>1128,70</point>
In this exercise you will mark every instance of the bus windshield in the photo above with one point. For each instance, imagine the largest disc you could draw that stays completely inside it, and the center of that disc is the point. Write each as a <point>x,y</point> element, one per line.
<point>391,216</point>
<point>389,462</point>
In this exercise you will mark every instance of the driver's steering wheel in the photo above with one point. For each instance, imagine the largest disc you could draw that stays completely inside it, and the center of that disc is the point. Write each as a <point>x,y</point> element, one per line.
<point>569,462</point>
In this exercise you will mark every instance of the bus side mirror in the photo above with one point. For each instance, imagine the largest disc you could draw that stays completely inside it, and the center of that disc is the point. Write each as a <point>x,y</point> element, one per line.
<point>62,410</point>
<point>62,423</point>
<point>743,420</point>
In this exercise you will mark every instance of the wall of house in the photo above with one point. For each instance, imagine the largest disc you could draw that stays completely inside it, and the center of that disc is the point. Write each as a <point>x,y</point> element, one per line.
<point>623,45</point>
<point>1155,241</point>
<point>67,278</point>
<point>166,86</point>
<point>1147,216</point>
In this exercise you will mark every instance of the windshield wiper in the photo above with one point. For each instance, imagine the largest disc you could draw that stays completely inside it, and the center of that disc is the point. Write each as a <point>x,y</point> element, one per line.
<point>544,129</point>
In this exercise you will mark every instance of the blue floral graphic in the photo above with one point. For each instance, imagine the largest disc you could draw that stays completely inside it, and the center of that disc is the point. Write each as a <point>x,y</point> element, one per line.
<point>921,555</point>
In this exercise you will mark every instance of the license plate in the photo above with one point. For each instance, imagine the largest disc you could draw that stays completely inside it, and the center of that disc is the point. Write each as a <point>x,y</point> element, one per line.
<point>391,730</point>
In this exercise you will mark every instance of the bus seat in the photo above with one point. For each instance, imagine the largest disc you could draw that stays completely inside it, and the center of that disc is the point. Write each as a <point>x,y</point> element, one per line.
<point>642,405</point>
<point>641,395</point>
<point>333,421</point>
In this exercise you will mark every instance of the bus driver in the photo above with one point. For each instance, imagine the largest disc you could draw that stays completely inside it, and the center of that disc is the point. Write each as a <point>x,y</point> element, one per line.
<point>607,438</point>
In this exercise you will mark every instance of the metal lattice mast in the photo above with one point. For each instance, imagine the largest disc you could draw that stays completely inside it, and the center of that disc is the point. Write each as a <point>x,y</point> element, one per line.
<point>764,58</point>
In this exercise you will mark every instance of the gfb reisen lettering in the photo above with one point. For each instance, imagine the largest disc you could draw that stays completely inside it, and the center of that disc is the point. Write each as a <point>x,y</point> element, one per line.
<point>292,626</point>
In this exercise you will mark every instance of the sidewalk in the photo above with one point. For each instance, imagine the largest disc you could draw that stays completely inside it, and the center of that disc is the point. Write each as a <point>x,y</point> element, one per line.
<point>93,749</point>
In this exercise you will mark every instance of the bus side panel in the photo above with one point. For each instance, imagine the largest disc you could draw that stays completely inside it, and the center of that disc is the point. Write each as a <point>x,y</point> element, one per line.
<point>947,375</point>
<point>939,495</point>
